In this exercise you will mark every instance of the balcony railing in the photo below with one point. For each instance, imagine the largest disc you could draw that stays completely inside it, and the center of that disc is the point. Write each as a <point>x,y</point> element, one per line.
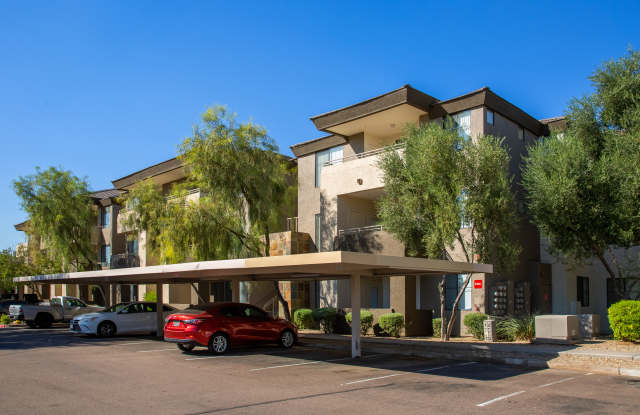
<point>188,196</point>
<point>351,231</point>
<point>292,224</point>
<point>369,153</point>
<point>124,261</point>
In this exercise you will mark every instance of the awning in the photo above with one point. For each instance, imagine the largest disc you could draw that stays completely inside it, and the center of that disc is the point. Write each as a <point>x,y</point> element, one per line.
<point>314,266</point>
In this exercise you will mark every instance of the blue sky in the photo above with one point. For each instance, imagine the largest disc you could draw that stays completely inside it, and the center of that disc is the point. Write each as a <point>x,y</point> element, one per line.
<point>105,88</point>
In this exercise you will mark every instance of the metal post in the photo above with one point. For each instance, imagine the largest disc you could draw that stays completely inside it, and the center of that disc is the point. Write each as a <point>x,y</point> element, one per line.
<point>196,289</point>
<point>113,297</point>
<point>159,315</point>
<point>235,290</point>
<point>355,316</point>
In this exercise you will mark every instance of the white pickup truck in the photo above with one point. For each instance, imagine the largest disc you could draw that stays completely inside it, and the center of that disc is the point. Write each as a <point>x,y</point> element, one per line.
<point>60,308</point>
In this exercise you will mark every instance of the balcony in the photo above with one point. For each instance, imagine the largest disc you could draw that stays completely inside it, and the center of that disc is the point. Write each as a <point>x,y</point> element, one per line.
<point>124,261</point>
<point>192,195</point>
<point>123,215</point>
<point>355,173</point>
<point>369,239</point>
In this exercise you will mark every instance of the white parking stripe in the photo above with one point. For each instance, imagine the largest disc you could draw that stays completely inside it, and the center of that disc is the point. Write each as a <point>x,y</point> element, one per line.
<point>554,383</point>
<point>126,344</point>
<point>156,350</point>
<point>430,369</point>
<point>205,357</point>
<point>301,364</point>
<point>499,398</point>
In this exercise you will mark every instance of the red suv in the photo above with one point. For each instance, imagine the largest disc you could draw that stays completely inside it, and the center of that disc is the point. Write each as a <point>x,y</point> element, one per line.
<point>219,325</point>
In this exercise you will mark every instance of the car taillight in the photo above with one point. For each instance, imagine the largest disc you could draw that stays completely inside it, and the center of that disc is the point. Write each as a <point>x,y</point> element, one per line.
<point>193,321</point>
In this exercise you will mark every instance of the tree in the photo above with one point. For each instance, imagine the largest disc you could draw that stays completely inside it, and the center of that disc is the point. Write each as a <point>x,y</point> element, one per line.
<point>239,167</point>
<point>583,185</point>
<point>61,212</point>
<point>446,194</point>
<point>12,265</point>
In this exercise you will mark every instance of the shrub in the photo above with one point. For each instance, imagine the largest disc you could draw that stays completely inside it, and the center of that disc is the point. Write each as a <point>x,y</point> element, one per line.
<point>366,320</point>
<point>303,318</point>
<point>326,317</point>
<point>624,318</point>
<point>503,330</point>
<point>391,324</point>
<point>518,328</point>
<point>474,322</point>
<point>150,296</point>
<point>5,319</point>
<point>436,327</point>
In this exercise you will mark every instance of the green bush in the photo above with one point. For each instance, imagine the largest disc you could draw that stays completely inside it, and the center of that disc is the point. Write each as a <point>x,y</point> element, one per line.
<point>436,327</point>
<point>303,318</point>
<point>366,320</point>
<point>516,328</point>
<point>624,318</point>
<point>326,318</point>
<point>474,322</point>
<point>5,319</point>
<point>391,324</point>
<point>150,296</point>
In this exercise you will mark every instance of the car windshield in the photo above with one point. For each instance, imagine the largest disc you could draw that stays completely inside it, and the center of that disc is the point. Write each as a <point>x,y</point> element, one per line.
<point>114,308</point>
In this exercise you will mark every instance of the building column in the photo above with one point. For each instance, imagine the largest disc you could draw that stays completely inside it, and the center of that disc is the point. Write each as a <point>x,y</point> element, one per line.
<point>159,315</point>
<point>355,316</point>
<point>235,290</point>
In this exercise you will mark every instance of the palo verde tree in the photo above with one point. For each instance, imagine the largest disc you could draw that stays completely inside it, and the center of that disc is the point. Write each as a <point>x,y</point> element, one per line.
<point>446,195</point>
<point>238,166</point>
<point>61,213</point>
<point>583,185</point>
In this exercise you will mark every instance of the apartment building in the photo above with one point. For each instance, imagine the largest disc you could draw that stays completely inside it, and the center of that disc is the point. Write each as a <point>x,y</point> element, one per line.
<point>339,184</point>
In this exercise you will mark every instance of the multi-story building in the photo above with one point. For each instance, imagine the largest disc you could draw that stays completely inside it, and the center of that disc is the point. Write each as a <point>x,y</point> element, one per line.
<point>340,183</point>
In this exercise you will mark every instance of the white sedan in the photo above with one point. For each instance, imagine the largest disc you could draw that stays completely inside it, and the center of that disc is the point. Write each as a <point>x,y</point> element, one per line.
<point>123,318</point>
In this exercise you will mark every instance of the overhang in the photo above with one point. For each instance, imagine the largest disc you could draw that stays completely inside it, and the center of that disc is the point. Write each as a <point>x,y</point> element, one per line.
<point>402,96</point>
<point>314,266</point>
<point>165,172</point>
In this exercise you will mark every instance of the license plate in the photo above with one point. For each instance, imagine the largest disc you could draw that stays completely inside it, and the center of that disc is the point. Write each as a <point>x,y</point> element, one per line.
<point>176,323</point>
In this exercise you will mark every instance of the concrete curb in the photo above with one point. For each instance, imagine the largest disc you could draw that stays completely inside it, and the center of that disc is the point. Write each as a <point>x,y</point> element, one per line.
<point>564,357</point>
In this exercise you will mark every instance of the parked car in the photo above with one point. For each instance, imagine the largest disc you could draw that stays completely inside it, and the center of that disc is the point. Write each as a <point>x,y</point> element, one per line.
<point>123,318</point>
<point>60,308</point>
<point>5,303</point>
<point>219,325</point>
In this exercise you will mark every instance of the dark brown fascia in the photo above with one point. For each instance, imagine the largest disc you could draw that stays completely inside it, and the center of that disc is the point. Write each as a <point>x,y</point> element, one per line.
<point>404,95</point>
<point>156,169</point>
<point>317,144</point>
<point>487,98</point>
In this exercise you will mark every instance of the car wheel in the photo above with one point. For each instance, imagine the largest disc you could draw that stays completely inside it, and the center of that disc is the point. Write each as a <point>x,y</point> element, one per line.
<point>106,329</point>
<point>219,343</point>
<point>287,339</point>
<point>44,320</point>
<point>186,347</point>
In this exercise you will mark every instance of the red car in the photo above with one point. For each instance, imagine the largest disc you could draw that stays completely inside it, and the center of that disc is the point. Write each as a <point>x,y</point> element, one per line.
<point>219,325</point>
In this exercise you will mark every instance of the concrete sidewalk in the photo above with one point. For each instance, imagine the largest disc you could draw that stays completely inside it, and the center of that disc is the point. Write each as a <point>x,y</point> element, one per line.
<point>585,357</point>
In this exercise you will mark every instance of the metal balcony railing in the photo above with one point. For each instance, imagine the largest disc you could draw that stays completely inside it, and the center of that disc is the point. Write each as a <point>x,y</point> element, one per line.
<point>369,153</point>
<point>351,231</point>
<point>292,224</point>
<point>124,261</point>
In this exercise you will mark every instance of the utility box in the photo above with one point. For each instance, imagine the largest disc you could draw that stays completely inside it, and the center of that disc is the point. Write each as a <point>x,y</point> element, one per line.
<point>490,330</point>
<point>557,329</point>
<point>589,325</point>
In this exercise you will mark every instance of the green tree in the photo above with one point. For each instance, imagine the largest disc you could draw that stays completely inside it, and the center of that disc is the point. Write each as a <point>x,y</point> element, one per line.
<point>583,185</point>
<point>12,265</point>
<point>444,193</point>
<point>61,212</point>
<point>239,167</point>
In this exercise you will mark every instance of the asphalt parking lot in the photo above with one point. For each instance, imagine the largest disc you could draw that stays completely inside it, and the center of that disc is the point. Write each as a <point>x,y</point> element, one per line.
<point>53,371</point>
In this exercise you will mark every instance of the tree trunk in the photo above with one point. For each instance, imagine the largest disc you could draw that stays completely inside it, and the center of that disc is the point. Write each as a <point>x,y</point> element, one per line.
<point>610,271</point>
<point>443,317</point>
<point>455,305</point>
<point>276,285</point>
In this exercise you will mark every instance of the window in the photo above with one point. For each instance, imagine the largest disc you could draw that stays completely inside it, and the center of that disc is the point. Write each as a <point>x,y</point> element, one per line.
<point>254,313</point>
<point>454,283</point>
<point>105,254</point>
<point>71,302</point>
<point>373,297</point>
<point>331,155</point>
<point>462,124</point>
<point>521,133</point>
<point>583,291</point>
<point>132,247</point>
<point>319,232</point>
<point>105,216</point>
<point>489,117</point>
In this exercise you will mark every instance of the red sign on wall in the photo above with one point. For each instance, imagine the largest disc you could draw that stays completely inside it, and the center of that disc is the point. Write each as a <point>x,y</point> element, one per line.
<point>477,283</point>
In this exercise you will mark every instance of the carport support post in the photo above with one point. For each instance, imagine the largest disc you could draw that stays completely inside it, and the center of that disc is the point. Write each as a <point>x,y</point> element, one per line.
<point>355,316</point>
<point>159,315</point>
<point>113,297</point>
<point>235,290</point>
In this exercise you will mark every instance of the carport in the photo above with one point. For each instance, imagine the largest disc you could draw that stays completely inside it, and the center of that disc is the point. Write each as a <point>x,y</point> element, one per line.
<point>314,266</point>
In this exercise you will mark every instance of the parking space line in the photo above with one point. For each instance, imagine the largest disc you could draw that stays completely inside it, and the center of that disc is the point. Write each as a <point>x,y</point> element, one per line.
<point>204,357</point>
<point>156,350</point>
<point>126,344</point>
<point>554,383</point>
<point>499,398</point>
<point>301,364</point>
<point>430,369</point>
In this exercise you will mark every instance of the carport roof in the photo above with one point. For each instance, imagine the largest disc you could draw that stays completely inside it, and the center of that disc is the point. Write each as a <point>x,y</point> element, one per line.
<point>314,266</point>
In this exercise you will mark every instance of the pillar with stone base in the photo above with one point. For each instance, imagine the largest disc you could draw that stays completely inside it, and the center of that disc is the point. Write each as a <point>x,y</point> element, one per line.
<point>355,316</point>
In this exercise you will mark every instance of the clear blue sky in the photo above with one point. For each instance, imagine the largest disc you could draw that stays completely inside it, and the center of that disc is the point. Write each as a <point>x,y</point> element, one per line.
<point>105,88</point>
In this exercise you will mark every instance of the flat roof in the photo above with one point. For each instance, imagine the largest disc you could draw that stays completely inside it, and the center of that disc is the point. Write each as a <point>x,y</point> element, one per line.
<point>313,266</point>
